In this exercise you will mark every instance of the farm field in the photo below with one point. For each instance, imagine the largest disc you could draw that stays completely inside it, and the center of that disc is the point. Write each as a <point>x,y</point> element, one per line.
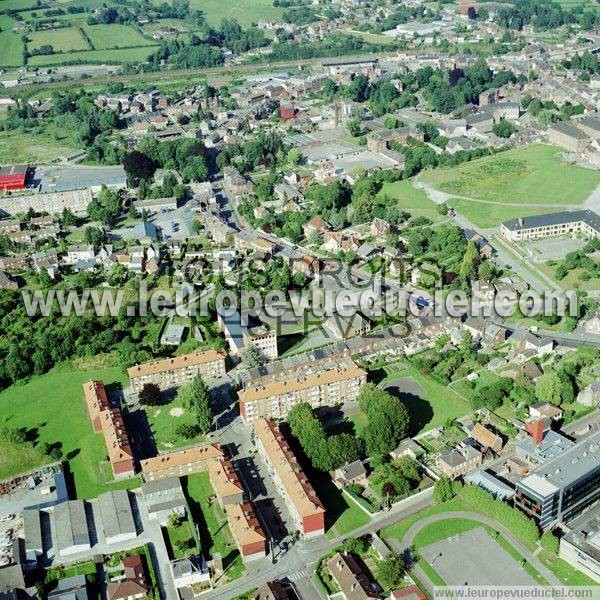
<point>33,146</point>
<point>411,199</point>
<point>11,49</point>
<point>245,12</point>
<point>535,174</point>
<point>103,37</point>
<point>115,56</point>
<point>61,40</point>
<point>50,408</point>
<point>487,215</point>
<point>17,4</point>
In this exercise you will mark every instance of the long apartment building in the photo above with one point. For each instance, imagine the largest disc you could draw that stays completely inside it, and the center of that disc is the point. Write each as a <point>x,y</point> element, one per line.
<point>109,421</point>
<point>586,222</point>
<point>173,372</point>
<point>246,530</point>
<point>240,336</point>
<point>293,485</point>
<point>563,487</point>
<point>275,399</point>
<point>225,482</point>
<point>180,462</point>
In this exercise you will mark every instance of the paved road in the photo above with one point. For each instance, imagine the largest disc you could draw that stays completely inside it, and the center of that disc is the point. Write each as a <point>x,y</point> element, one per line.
<point>406,544</point>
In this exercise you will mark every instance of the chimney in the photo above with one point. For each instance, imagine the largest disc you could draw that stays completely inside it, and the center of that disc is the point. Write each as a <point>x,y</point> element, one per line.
<point>536,430</point>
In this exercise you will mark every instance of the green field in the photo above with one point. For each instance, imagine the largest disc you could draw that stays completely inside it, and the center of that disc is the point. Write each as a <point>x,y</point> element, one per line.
<point>434,408</point>
<point>487,215</point>
<point>103,37</point>
<point>411,199</point>
<point>215,535</point>
<point>535,174</point>
<point>16,4</point>
<point>50,408</point>
<point>164,421</point>
<point>11,49</point>
<point>95,56</point>
<point>245,12</point>
<point>62,40</point>
<point>34,146</point>
<point>573,279</point>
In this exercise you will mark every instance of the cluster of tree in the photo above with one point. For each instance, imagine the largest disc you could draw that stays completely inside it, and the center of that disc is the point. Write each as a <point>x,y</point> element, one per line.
<point>405,14</point>
<point>587,62</point>
<point>542,14</point>
<point>325,452</point>
<point>398,477</point>
<point>549,542</point>
<point>504,129</point>
<point>443,490</point>
<point>265,149</point>
<point>580,259</point>
<point>512,519</point>
<point>390,571</point>
<point>106,208</point>
<point>194,54</point>
<point>300,16</point>
<point>196,397</point>
<point>492,395</point>
<point>44,49</point>
<point>388,420</point>
<point>170,188</point>
<point>549,112</point>
<point>558,386</point>
<point>383,96</point>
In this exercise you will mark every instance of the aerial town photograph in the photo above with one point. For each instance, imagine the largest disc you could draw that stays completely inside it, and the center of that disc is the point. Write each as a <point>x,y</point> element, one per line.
<point>299,299</point>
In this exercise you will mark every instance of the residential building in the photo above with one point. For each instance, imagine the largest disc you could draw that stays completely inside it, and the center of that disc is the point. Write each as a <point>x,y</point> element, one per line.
<point>412,592</point>
<point>343,328</point>
<point>351,577</point>
<point>323,388</point>
<point>246,530</point>
<point>586,222</point>
<point>173,372</point>
<point>459,461</point>
<point>189,572</point>
<point>133,583</point>
<point>351,473</point>
<point>163,498</point>
<point>240,335</point>
<point>486,438</point>
<point>546,410</point>
<point>563,487</point>
<point>70,588</point>
<point>568,136</point>
<point>225,481</point>
<point>275,590</point>
<point>305,507</point>
<point>180,462</point>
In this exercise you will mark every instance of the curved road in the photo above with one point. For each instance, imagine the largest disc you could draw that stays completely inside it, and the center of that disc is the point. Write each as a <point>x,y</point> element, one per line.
<point>409,537</point>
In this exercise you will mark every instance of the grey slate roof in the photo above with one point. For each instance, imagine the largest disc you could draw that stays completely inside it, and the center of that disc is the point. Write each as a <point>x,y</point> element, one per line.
<point>557,218</point>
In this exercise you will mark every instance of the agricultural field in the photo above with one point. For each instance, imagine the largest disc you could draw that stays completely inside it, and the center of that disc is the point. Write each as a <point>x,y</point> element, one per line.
<point>116,56</point>
<point>56,400</point>
<point>62,40</point>
<point>11,49</point>
<point>245,12</point>
<point>411,199</point>
<point>103,37</point>
<point>17,4</point>
<point>535,174</point>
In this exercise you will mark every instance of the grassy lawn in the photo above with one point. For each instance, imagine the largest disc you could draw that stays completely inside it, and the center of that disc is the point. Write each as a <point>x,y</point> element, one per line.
<point>34,146</point>
<point>487,215</point>
<point>564,571</point>
<point>411,199</point>
<point>442,530</point>
<point>50,408</point>
<point>434,407</point>
<point>486,377</point>
<point>11,48</point>
<point>215,535</point>
<point>174,535</point>
<point>95,56</point>
<point>245,12</point>
<point>533,174</point>
<point>164,421</point>
<point>62,40</point>
<point>103,36</point>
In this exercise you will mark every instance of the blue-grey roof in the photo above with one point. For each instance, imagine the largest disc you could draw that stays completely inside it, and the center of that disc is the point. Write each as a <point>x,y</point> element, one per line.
<point>233,324</point>
<point>145,229</point>
<point>490,483</point>
<point>557,218</point>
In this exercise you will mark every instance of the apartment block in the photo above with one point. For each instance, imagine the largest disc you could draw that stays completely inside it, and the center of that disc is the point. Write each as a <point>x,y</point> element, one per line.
<point>240,334</point>
<point>586,222</point>
<point>324,388</point>
<point>304,505</point>
<point>181,462</point>
<point>173,372</point>
<point>246,530</point>
<point>109,421</point>
<point>225,482</point>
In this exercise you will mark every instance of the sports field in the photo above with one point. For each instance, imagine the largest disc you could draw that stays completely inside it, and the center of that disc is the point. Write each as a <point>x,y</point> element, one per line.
<point>119,55</point>
<point>50,408</point>
<point>103,37</point>
<point>245,12</point>
<point>535,174</point>
<point>61,40</point>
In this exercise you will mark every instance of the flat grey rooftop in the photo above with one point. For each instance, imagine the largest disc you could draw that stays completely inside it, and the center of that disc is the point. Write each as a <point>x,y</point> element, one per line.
<point>474,558</point>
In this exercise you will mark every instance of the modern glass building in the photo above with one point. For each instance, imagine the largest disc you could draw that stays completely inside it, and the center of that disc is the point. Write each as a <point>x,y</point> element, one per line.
<point>562,488</point>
